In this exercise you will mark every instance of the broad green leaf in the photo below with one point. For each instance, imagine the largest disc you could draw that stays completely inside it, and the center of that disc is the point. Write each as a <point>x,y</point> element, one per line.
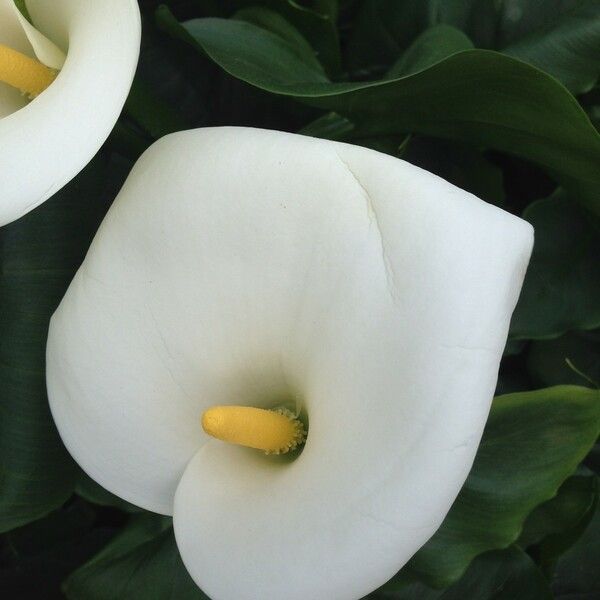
<point>547,359</point>
<point>476,96</point>
<point>433,45</point>
<point>508,574</point>
<point>142,562</point>
<point>318,27</point>
<point>559,521</point>
<point>271,21</point>
<point>562,285</point>
<point>576,574</point>
<point>315,25</point>
<point>501,575</point>
<point>532,442</point>
<point>40,254</point>
<point>266,57</point>
<point>93,492</point>
<point>568,48</point>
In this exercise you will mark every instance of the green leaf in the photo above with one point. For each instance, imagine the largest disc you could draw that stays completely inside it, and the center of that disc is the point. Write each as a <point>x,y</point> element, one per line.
<point>142,562</point>
<point>276,24</point>
<point>432,46</point>
<point>318,27</point>
<point>567,48</point>
<point>532,442</point>
<point>576,574</point>
<point>547,359</point>
<point>562,285</point>
<point>476,96</point>
<point>266,58</point>
<point>501,575</point>
<point>498,575</point>
<point>39,255</point>
<point>93,492</point>
<point>558,522</point>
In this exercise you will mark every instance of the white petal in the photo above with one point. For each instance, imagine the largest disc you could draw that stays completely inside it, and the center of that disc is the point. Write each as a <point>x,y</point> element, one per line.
<point>46,51</point>
<point>245,266</point>
<point>11,31</point>
<point>46,143</point>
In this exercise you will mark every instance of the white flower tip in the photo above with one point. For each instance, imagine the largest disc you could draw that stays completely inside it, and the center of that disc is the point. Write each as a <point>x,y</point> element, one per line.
<point>46,51</point>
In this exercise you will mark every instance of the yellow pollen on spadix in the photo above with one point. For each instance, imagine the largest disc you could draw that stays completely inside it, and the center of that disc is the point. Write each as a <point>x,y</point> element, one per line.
<point>27,74</point>
<point>274,431</point>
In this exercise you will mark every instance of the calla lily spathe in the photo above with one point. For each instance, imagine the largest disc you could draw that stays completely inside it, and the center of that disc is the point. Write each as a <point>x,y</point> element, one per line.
<point>45,142</point>
<point>241,266</point>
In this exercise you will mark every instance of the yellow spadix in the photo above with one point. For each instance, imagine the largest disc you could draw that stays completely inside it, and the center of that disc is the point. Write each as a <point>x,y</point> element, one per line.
<point>275,431</point>
<point>26,74</point>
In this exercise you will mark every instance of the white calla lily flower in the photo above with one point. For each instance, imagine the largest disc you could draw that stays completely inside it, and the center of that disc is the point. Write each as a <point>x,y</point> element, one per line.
<point>264,269</point>
<point>63,83</point>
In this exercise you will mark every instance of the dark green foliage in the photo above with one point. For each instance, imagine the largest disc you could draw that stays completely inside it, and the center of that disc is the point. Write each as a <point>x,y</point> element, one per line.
<point>40,254</point>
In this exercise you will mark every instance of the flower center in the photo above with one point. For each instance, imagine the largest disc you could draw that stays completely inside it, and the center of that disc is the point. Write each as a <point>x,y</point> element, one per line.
<point>275,431</point>
<point>26,74</point>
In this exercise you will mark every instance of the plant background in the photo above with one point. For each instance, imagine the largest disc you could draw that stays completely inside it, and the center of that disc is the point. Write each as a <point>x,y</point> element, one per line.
<point>499,97</point>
